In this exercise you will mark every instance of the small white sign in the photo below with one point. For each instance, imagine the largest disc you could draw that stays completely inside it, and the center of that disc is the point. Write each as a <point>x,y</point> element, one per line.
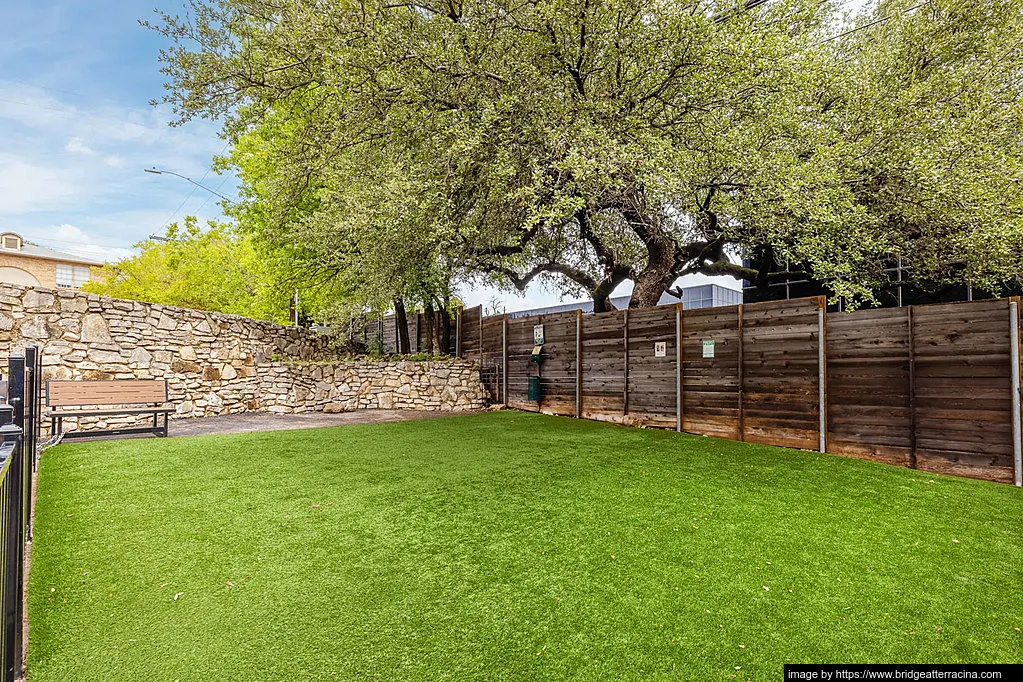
<point>708,349</point>
<point>660,349</point>
<point>538,334</point>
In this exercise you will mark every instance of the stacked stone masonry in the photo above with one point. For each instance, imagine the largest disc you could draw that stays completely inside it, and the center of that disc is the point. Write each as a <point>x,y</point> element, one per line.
<point>217,364</point>
<point>451,384</point>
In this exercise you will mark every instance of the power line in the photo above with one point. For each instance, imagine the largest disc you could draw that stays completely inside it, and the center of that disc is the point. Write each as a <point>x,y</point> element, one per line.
<point>746,7</point>
<point>868,25</point>
<point>63,92</point>
<point>215,192</point>
<point>62,242</point>
<point>66,110</point>
<point>192,193</point>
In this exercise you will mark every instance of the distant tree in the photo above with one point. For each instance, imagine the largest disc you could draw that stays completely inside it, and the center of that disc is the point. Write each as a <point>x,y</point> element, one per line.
<point>212,269</point>
<point>372,239</point>
<point>494,306</point>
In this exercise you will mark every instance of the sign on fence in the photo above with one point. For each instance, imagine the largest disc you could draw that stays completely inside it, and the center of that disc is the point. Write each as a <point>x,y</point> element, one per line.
<point>708,349</point>
<point>660,349</point>
<point>538,335</point>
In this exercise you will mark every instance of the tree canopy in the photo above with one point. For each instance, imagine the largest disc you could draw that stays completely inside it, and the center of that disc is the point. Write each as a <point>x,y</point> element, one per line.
<point>590,142</point>
<point>205,269</point>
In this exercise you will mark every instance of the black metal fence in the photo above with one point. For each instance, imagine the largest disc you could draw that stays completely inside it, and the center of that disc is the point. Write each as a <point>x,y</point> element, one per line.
<point>19,434</point>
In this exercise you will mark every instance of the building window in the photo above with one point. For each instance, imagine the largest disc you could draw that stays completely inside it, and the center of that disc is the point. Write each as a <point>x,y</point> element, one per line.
<point>65,277</point>
<point>72,277</point>
<point>11,241</point>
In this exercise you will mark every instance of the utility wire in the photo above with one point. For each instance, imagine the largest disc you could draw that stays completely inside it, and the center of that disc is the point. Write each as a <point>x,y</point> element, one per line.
<point>868,25</point>
<point>214,192</point>
<point>192,193</point>
<point>6,79</point>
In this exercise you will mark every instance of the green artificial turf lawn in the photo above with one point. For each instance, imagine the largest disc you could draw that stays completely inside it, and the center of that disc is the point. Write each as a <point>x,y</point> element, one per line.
<point>507,546</point>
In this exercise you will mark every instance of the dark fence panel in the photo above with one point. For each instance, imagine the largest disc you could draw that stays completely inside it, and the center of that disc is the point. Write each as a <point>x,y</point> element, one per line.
<point>869,408</point>
<point>389,334</point>
<point>558,371</point>
<point>492,357</point>
<point>710,371</point>
<point>471,331</point>
<point>780,373</point>
<point>962,395</point>
<point>653,377</point>
<point>603,366</point>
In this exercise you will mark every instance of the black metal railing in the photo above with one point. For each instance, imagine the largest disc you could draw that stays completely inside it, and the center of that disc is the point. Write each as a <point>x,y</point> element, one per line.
<point>19,434</point>
<point>12,543</point>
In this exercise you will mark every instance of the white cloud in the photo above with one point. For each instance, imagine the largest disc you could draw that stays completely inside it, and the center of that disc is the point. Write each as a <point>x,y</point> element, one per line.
<point>39,111</point>
<point>62,163</point>
<point>74,240</point>
<point>76,146</point>
<point>26,186</point>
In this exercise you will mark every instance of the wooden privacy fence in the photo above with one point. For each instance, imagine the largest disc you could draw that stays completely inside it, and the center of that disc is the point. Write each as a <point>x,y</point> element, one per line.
<point>933,387</point>
<point>384,330</point>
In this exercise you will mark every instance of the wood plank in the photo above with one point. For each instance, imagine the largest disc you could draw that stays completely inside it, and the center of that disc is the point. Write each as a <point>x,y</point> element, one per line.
<point>61,393</point>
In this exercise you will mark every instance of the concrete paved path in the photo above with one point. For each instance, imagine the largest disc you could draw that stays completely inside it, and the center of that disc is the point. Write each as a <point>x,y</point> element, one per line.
<point>260,421</point>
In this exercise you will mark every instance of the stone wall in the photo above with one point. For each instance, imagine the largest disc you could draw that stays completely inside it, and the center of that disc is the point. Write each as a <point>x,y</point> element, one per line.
<point>452,384</point>
<point>201,354</point>
<point>215,363</point>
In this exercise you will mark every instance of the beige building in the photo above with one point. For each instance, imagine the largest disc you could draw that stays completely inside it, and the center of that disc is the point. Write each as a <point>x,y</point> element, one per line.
<point>28,264</point>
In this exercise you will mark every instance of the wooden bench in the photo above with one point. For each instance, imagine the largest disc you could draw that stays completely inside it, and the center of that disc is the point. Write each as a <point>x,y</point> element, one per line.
<point>136,396</point>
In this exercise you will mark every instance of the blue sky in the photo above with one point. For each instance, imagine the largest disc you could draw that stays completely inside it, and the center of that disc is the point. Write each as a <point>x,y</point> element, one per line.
<point>77,130</point>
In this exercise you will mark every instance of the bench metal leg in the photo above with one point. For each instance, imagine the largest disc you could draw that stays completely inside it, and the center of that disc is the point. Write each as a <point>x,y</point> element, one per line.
<point>156,428</point>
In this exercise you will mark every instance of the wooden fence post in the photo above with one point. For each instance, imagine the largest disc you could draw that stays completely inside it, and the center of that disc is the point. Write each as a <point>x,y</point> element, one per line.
<point>1017,431</point>
<point>678,367</point>
<point>822,374</point>
<point>504,360</point>
<point>741,426</point>
<point>625,340</point>
<point>458,333</point>
<point>912,389</point>
<point>578,363</point>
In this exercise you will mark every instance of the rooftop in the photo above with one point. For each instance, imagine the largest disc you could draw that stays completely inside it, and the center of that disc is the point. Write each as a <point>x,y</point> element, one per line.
<point>698,296</point>
<point>14,245</point>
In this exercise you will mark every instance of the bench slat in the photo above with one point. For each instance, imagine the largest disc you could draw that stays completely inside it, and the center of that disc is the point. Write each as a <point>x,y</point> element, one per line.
<point>61,393</point>
<point>98,413</point>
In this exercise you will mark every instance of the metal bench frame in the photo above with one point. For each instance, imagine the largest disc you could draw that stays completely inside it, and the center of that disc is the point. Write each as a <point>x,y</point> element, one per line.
<point>155,408</point>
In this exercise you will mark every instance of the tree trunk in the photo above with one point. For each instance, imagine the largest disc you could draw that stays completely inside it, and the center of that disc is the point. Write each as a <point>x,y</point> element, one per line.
<point>444,333</point>
<point>656,277</point>
<point>659,273</point>
<point>401,320</point>
<point>601,294</point>
<point>431,322</point>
